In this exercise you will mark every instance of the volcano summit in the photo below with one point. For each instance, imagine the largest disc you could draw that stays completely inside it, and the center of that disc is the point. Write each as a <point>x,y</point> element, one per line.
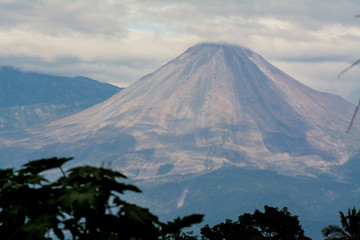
<point>214,105</point>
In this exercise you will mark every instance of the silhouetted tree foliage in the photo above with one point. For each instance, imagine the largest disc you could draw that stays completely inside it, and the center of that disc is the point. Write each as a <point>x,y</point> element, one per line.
<point>350,227</point>
<point>182,236</point>
<point>84,203</point>
<point>272,224</point>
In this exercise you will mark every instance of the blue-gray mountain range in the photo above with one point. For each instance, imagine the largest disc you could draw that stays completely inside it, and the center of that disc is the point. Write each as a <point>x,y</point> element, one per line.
<point>217,130</point>
<point>28,99</point>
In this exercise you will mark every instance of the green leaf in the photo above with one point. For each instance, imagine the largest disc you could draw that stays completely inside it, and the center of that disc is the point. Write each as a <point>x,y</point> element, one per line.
<point>41,165</point>
<point>138,214</point>
<point>36,228</point>
<point>94,172</point>
<point>180,223</point>
<point>80,197</point>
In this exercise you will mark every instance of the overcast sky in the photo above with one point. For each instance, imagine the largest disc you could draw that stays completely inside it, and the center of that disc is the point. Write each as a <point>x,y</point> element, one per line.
<point>119,41</point>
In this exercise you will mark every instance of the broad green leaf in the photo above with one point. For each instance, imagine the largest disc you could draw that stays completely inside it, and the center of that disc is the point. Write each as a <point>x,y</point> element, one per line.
<point>41,165</point>
<point>138,214</point>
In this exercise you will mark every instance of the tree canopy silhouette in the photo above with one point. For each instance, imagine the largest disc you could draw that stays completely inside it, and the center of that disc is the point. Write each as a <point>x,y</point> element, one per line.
<point>271,224</point>
<point>84,203</point>
<point>350,227</point>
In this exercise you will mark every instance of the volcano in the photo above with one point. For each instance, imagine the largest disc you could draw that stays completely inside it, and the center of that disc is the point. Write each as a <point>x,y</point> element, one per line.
<point>214,105</point>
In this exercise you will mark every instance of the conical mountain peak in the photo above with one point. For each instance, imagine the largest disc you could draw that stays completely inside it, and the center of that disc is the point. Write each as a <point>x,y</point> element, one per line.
<point>203,52</point>
<point>208,46</point>
<point>218,104</point>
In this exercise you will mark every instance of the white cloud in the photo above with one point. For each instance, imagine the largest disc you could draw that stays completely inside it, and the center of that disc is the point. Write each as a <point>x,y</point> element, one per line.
<point>119,41</point>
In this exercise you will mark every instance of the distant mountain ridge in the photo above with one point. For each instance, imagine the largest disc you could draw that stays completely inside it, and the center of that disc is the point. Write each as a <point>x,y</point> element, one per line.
<point>28,98</point>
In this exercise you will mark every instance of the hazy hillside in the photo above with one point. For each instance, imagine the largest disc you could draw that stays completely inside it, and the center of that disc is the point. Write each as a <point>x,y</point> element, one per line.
<point>27,99</point>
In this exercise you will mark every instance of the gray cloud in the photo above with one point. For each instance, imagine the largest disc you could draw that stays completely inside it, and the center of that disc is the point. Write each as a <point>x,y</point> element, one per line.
<point>56,17</point>
<point>119,41</point>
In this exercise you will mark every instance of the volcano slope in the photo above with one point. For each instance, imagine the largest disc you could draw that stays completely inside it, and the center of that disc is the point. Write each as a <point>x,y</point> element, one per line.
<point>214,105</point>
<point>217,130</point>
